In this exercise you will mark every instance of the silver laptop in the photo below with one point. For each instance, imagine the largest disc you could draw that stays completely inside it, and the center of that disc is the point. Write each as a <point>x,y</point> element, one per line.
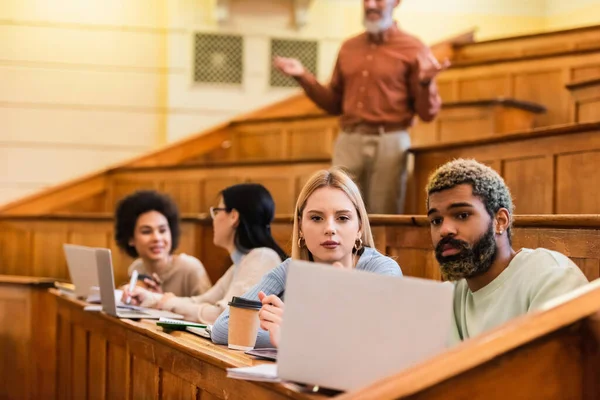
<point>107,293</point>
<point>345,329</point>
<point>81,261</point>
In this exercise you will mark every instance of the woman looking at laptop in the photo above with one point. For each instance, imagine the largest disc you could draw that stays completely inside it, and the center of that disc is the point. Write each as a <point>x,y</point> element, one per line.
<point>331,226</point>
<point>147,229</point>
<point>241,225</point>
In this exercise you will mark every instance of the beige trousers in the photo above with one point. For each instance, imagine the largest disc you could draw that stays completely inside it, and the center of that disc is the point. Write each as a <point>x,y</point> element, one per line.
<point>378,164</point>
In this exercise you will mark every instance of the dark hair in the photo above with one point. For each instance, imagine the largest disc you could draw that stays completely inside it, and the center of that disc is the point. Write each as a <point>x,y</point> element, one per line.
<point>131,207</point>
<point>257,210</point>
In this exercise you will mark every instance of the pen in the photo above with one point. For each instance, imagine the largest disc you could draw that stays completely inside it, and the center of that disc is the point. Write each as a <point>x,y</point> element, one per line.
<point>132,282</point>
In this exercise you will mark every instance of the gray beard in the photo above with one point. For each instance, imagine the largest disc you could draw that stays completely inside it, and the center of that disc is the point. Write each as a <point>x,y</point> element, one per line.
<point>382,25</point>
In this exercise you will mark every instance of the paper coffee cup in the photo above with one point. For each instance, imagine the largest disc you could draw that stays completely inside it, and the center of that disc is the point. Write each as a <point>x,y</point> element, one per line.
<point>243,323</point>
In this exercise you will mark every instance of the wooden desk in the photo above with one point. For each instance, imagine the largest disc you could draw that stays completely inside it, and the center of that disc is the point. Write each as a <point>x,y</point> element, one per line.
<point>466,120</point>
<point>587,100</point>
<point>101,357</point>
<point>549,170</point>
<point>27,338</point>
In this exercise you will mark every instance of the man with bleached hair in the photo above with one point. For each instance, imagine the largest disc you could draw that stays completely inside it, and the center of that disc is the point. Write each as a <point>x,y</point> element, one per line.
<point>470,210</point>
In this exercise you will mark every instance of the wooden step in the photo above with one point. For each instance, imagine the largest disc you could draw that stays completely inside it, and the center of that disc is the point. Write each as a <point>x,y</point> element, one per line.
<point>465,120</point>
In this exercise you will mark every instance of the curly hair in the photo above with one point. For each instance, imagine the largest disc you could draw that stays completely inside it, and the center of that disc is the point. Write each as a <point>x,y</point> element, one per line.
<point>131,207</point>
<point>487,185</point>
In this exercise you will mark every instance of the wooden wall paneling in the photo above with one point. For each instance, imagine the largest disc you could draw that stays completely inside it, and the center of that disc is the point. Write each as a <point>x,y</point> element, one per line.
<point>488,86</point>
<point>559,43</point>
<point>118,377</point>
<point>212,188</point>
<point>591,357</point>
<point>544,87</point>
<point>312,139</point>
<point>585,72</point>
<point>589,266</point>
<point>586,95</point>
<point>446,90</point>
<point>97,366</point>
<point>465,123</point>
<point>188,194</point>
<point>92,234</point>
<point>215,259</point>
<point>577,178</point>
<point>121,188</point>
<point>258,142</point>
<point>174,387</point>
<point>43,343</point>
<point>531,182</point>
<point>423,133</point>
<point>558,361</point>
<point>64,354</point>
<point>282,190</point>
<point>539,80</point>
<point>15,316</point>
<point>576,154</point>
<point>80,357</point>
<point>145,380</point>
<point>96,203</point>
<point>507,119</point>
<point>15,241</point>
<point>48,240</point>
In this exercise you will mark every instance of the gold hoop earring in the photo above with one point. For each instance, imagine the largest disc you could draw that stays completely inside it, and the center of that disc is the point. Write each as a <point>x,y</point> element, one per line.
<point>358,244</point>
<point>301,242</point>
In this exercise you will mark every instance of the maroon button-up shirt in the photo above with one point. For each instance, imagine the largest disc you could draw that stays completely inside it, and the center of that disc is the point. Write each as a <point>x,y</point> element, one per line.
<point>375,81</point>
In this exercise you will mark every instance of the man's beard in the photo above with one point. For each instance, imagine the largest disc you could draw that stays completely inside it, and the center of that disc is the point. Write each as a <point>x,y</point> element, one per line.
<point>382,24</point>
<point>470,261</point>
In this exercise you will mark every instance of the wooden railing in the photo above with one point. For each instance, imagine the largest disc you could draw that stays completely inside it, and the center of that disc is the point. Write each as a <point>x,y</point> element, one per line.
<point>587,100</point>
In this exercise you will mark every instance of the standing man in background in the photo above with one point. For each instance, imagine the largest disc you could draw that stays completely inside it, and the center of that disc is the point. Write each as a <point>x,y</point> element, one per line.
<point>382,78</point>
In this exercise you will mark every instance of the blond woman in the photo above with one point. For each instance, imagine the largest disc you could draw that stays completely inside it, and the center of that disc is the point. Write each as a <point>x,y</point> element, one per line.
<point>331,226</point>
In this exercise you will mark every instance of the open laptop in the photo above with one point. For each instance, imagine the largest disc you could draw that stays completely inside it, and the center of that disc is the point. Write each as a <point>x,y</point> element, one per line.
<point>107,290</point>
<point>345,329</point>
<point>81,261</point>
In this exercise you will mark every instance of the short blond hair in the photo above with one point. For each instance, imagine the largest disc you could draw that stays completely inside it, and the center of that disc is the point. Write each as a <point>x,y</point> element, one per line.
<point>337,179</point>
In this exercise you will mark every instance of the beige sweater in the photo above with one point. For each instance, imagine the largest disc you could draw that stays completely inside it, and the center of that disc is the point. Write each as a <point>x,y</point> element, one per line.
<point>238,279</point>
<point>186,277</point>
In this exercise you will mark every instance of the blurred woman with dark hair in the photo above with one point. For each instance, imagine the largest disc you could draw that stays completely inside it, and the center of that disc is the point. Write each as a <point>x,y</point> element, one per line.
<point>242,226</point>
<point>147,229</point>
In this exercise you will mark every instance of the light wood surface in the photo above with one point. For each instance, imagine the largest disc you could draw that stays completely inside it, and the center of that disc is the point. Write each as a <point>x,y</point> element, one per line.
<point>586,94</point>
<point>548,170</point>
<point>547,354</point>
<point>102,357</point>
<point>27,338</point>
<point>466,120</point>
<point>36,242</point>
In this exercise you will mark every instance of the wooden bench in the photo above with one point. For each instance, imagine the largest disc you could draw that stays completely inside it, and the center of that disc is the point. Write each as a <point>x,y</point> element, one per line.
<point>476,119</point>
